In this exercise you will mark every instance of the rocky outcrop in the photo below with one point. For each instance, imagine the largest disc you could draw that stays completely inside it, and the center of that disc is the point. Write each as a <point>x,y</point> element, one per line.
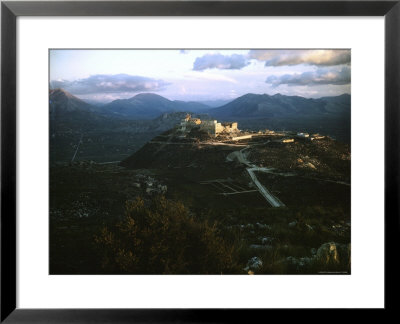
<point>329,256</point>
<point>253,264</point>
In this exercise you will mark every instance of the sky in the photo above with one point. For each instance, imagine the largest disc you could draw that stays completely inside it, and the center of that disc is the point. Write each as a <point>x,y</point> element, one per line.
<point>200,75</point>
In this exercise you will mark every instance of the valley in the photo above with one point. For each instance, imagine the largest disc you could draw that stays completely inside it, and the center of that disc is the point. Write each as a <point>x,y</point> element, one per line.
<point>277,202</point>
<point>109,135</point>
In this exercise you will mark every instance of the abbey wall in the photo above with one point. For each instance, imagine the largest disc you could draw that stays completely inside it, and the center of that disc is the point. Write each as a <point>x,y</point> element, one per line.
<point>210,126</point>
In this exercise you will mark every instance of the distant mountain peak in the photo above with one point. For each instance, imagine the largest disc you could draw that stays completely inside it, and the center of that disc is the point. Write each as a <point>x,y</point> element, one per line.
<point>62,101</point>
<point>149,105</point>
<point>149,95</point>
<point>60,91</point>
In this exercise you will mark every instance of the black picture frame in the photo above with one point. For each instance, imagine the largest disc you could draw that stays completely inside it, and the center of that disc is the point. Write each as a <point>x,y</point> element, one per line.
<point>9,13</point>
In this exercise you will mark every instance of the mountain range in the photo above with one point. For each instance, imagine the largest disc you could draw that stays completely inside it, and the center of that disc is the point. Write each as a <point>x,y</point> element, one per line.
<point>149,106</point>
<point>125,125</point>
<point>266,106</point>
<point>327,115</point>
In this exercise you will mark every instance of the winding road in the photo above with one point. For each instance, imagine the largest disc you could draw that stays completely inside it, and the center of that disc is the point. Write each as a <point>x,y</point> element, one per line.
<point>251,169</point>
<point>274,201</point>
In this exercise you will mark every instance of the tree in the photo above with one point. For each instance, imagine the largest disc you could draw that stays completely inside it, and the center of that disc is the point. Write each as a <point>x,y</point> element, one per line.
<point>161,236</point>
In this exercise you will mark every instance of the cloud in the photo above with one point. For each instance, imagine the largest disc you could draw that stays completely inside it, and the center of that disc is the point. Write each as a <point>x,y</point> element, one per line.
<point>322,76</point>
<point>219,61</point>
<point>273,58</point>
<point>183,51</point>
<point>294,57</point>
<point>103,83</point>
<point>209,77</point>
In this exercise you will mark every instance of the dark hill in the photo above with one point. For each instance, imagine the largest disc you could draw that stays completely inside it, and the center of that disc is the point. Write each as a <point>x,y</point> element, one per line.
<point>182,155</point>
<point>70,112</point>
<point>149,106</point>
<point>255,106</point>
<point>62,102</point>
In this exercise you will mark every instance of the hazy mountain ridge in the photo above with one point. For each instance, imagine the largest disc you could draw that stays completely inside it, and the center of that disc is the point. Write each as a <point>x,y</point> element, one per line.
<point>327,115</point>
<point>216,103</point>
<point>146,106</point>
<point>149,106</point>
<point>254,106</point>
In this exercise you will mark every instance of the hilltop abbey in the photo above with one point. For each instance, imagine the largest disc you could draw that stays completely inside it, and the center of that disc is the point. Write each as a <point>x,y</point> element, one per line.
<point>210,126</point>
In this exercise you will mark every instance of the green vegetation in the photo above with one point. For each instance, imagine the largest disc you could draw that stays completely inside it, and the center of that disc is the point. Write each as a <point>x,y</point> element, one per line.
<point>160,236</point>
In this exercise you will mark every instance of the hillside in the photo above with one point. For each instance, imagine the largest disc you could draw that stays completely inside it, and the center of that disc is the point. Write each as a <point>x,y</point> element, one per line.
<point>69,112</point>
<point>283,205</point>
<point>224,180</point>
<point>62,102</point>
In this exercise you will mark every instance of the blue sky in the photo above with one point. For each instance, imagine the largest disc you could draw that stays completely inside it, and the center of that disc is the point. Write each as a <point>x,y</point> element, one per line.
<point>106,75</point>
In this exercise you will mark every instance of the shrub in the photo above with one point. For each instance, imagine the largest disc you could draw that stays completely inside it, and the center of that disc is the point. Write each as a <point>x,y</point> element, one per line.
<point>162,237</point>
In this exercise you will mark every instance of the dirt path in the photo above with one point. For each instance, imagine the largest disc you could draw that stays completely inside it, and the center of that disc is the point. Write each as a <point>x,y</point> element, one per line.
<point>251,169</point>
<point>77,148</point>
<point>274,201</point>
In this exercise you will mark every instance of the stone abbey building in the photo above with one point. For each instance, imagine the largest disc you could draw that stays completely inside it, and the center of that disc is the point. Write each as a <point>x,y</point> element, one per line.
<point>210,126</point>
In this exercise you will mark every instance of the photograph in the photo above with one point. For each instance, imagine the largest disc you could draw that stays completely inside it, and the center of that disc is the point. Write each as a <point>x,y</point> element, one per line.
<point>199,161</point>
